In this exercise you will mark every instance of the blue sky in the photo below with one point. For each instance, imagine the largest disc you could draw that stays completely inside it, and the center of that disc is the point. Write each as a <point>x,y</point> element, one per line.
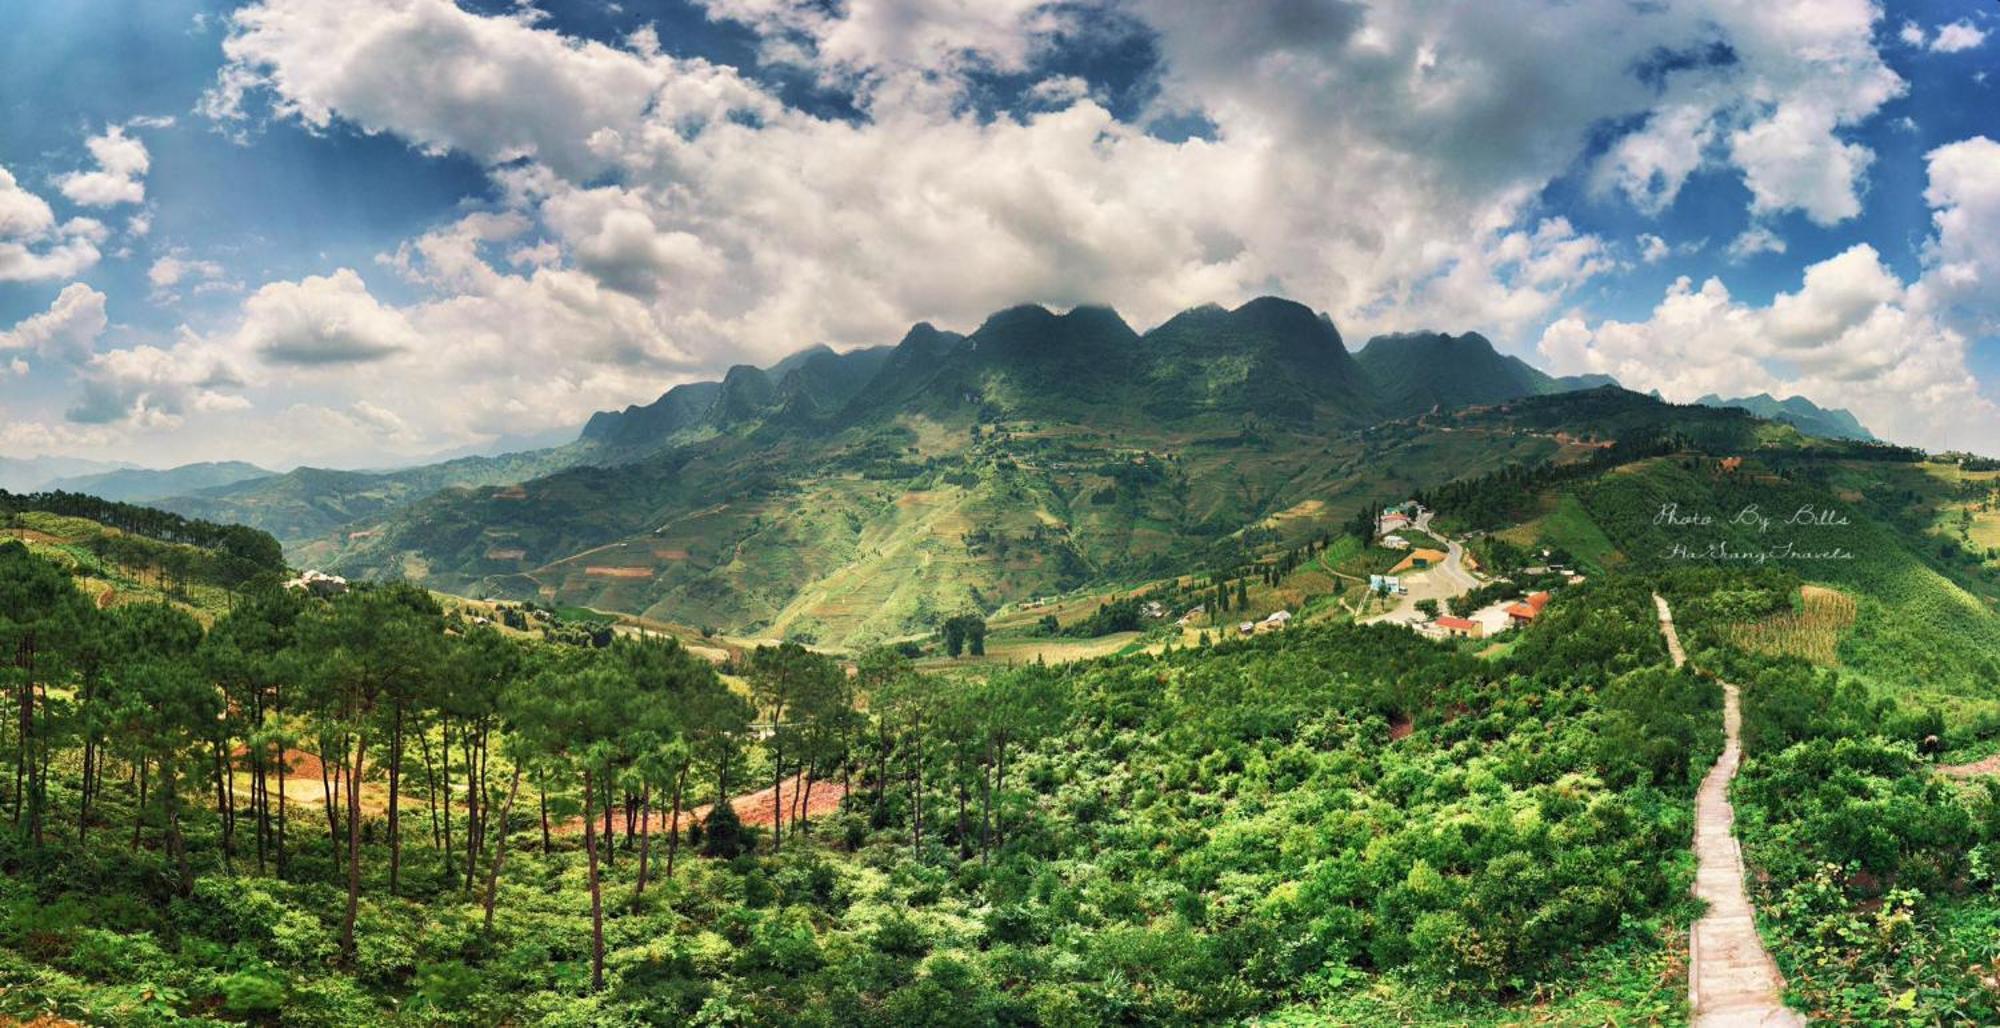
<point>293,232</point>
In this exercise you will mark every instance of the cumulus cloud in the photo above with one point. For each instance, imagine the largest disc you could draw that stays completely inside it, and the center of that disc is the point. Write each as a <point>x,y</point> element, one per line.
<point>153,387</point>
<point>67,331</point>
<point>1755,240</point>
<point>1962,257</point>
<point>33,247</point>
<point>119,178</point>
<point>1852,335</point>
<point>1957,36</point>
<point>322,320</point>
<point>662,217</point>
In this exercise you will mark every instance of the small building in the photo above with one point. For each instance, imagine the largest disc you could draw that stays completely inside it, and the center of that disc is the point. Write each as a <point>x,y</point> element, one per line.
<point>1526,611</point>
<point>1395,542</point>
<point>1279,619</point>
<point>1419,559</point>
<point>319,583</point>
<point>1391,521</point>
<point>1387,584</point>
<point>1731,463</point>
<point>1462,628</point>
<point>1247,628</point>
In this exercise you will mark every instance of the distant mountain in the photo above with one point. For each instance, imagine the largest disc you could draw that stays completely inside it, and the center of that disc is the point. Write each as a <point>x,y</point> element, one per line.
<point>809,386</point>
<point>1270,358</point>
<point>133,485</point>
<point>34,474</point>
<point>1413,372</point>
<point>1800,413</point>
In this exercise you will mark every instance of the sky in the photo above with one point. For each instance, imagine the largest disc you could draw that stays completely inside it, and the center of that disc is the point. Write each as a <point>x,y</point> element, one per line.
<point>365,233</point>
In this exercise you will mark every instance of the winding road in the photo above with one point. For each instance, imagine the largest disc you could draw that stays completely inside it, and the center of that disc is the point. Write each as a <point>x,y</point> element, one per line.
<point>1732,980</point>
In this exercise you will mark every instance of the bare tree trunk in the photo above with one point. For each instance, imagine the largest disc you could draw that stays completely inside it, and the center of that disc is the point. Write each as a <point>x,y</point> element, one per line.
<point>596,893</point>
<point>674,828</point>
<point>353,846</point>
<point>395,800</point>
<point>645,834</point>
<point>500,848</point>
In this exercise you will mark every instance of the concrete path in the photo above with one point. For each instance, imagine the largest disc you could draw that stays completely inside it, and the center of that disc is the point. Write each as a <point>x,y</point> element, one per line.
<point>1732,981</point>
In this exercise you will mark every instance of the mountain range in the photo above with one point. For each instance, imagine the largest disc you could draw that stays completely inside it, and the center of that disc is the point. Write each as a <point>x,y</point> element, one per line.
<point>1800,413</point>
<point>847,497</point>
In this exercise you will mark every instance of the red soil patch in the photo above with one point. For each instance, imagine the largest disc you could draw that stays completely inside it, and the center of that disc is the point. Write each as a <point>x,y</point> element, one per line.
<point>1991,765</point>
<point>1401,729</point>
<point>512,492</point>
<point>106,598</point>
<point>670,554</point>
<point>752,808</point>
<point>513,554</point>
<point>366,533</point>
<point>606,571</point>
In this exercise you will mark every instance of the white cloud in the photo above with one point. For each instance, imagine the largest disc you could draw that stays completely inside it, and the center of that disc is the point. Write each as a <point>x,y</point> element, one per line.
<point>119,178</point>
<point>1853,336</point>
<point>1755,240</point>
<point>1962,257</point>
<point>173,269</point>
<point>321,321</point>
<point>33,247</point>
<point>1912,34</point>
<point>1957,36</point>
<point>67,331</point>
<point>152,387</point>
<point>664,217</point>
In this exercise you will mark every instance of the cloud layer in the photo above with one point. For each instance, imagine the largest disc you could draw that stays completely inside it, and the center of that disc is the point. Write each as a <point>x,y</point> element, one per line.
<point>658,217</point>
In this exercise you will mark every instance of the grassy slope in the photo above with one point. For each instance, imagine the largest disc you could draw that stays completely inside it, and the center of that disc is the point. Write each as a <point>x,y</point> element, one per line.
<point>66,541</point>
<point>1917,626</point>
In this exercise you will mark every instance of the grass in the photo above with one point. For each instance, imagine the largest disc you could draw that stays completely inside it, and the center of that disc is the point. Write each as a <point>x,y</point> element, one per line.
<point>1812,632</point>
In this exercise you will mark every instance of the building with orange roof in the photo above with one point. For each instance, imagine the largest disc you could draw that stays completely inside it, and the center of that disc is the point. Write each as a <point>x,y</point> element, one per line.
<point>1526,611</point>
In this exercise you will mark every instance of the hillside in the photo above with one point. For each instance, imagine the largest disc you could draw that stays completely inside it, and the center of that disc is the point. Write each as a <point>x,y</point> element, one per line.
<point>118,554</point>
<point>1800,413</point>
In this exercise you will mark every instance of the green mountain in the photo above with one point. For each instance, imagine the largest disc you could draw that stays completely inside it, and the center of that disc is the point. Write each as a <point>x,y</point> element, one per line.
<point>1808,417</point>
<point>138,484</point>
<point>1414,372</point>
<point>850,497</point>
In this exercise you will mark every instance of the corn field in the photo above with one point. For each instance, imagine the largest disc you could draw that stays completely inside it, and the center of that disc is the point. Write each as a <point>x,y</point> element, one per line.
<point>1812,632</point>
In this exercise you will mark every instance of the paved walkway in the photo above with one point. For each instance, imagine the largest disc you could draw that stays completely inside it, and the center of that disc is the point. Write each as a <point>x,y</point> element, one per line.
<point>1732,981</point>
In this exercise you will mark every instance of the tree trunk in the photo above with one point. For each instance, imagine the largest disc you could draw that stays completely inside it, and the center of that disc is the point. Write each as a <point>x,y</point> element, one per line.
<point>176,845</point>
<point>674,828</point>
<point>645,835</point>
<point>596,894</point>
<point>500,848</point>
<point>395,797</point>
<point>353,847</point>
<point>139,809</point>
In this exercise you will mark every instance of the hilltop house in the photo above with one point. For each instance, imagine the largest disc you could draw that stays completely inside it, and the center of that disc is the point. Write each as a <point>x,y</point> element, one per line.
<point>1395,542</point>
<point>1390,521</point>
<point>319,583</point>
<point>1525,612</point>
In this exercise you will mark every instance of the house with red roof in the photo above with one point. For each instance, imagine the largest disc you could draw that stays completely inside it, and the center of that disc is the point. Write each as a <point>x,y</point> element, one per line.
<point>1462,628</point>
<point>1526,611</point>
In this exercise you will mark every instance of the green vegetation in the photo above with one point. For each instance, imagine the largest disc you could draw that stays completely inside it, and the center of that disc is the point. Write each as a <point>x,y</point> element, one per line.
<point>1872,875</point>
<point>510,832</point>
